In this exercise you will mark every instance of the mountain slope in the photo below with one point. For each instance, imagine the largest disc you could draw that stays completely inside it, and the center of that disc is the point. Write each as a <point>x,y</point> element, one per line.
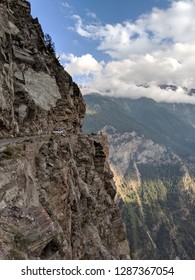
<point>152,158</point>
<point>157,121</point>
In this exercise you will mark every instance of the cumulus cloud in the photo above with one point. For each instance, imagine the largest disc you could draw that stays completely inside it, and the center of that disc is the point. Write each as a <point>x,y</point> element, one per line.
<point>86,64</point>
<point>158,29</point>
<point>158,48</point>
<point>85,67</point>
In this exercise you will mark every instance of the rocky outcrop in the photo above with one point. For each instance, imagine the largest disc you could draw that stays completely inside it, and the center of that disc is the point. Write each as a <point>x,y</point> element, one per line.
<point>56,201</point>
<point>36,93</point>
<point>56,191</point>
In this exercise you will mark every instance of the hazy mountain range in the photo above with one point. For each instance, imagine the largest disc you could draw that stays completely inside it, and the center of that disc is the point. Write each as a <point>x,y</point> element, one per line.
<point>165,123</point>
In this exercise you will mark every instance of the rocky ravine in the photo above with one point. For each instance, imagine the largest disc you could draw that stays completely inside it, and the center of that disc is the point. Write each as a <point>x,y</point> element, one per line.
<point>156,195</point>
<point>56,192</point>
<point>152,157</point>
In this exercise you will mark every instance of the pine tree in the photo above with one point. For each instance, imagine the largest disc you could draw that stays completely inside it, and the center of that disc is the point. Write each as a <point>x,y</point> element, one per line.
<point>49,43</point>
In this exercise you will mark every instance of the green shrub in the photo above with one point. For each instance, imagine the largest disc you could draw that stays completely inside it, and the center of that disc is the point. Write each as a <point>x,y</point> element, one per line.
<point>9,150</point>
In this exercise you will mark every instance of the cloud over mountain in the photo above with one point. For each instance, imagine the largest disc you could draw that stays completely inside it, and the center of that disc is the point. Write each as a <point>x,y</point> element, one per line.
<point>157,48</point>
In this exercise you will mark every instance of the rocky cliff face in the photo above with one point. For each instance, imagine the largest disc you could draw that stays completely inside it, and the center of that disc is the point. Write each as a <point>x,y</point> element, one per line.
<point>56,201</point>
<point>36,93</point>
<point>56,191</point>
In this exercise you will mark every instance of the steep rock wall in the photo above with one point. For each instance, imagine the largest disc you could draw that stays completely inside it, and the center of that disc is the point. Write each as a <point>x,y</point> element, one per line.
<point>56,201</point>
<point>36,94</point>
<point>56,191</point>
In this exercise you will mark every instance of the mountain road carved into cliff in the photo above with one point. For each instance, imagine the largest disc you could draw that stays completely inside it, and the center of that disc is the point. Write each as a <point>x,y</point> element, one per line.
<point>8,141</point>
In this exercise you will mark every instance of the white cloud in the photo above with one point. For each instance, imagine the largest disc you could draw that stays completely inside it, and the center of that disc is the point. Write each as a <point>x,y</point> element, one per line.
<point>85,64</point>
<point>158,29</point>
<point>65,5</point>
<point>80,30</point>
<point>158,48</point>
<point>90,14</point>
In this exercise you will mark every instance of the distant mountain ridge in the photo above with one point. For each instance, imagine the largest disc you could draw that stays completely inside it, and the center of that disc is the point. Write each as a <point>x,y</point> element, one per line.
<point>165,123</point>
<point>188,91</point>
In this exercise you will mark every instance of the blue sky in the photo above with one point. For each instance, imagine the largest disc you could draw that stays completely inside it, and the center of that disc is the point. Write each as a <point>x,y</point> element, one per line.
<point>115,46</point>
<point>56,18</point>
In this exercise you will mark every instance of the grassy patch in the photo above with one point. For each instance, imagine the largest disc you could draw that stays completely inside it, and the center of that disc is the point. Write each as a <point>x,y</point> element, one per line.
<point>11,151</point>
